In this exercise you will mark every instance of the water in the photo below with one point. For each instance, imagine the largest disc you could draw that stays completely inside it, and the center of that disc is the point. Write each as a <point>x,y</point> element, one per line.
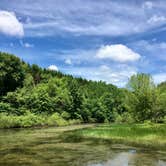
<point>47,147</point>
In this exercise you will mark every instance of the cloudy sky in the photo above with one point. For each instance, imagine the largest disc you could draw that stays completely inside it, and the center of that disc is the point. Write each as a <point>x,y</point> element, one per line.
<point>107,40</point>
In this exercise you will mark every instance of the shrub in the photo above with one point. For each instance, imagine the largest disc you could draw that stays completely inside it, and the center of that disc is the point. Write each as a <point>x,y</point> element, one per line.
<point>8,121</point>
<point>57,120</point>
<point>28,120</point>
<point>31,119</point>
<point>65,115</point>
<point>74,121</point>
<point>165,119</point>
<point>6,108</point>
<point>124,118</point>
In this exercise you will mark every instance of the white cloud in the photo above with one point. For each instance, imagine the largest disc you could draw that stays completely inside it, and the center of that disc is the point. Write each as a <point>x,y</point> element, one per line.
<point>10,25</point>
<point>118,76</point>
<point>157,19</point>
<point>68,61</point>
<point>28,45</point>
<point>28,20</point>
<point>158,78</point>
<point>53,67</point>
<point>111,18</point>
<point>150,46</point>
<point>25,44</point>
<point>147,5</point>
<point>151,49</point>
<point>76,56</point>
<point>117,52</point>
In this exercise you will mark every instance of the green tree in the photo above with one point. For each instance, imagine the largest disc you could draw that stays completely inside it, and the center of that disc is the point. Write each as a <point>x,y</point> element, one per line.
<point>12,73</point>
<point>58,91</point>
<point>76,98</point>
<point>28,81</point>
<point>36,73</point>
<point>143,97</point>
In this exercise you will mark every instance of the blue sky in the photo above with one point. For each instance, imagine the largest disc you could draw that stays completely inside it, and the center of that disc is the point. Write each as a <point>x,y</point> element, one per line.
<point>100,40</point>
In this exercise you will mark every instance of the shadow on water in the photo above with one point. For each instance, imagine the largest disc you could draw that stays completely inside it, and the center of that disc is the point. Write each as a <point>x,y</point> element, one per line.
<point>50,146</point>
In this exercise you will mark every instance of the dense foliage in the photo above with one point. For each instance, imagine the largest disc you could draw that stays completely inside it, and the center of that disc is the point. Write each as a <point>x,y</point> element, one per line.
<point>28,90</point>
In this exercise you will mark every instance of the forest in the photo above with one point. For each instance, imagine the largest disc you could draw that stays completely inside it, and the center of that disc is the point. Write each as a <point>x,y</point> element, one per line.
<point>35,96</point>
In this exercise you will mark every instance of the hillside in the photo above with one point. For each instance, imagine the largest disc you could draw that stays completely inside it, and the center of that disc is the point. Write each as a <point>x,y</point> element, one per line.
<point>41,96</point>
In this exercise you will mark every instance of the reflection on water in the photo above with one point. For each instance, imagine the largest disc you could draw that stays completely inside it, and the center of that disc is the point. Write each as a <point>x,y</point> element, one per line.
<point>121,159</point>
<point>128,159</point>
<point>45,147</point>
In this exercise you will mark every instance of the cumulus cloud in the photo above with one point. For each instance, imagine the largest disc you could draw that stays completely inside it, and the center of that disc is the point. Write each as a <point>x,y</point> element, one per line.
<point>117,52</point>
<point>25,44</point>
<point>10,25</point>
<point>160,77</point>
<point>28,45</point>
<point>53,67</point>
<point>118,75</point>
<point>68,61</point>
<point>156,19</point>
<point>147,5</point>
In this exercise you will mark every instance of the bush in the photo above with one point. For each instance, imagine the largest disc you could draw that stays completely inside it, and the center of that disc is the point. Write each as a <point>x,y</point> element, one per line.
<point>31,119</point>
<point>148,122</point>
<point>8,121</point>
<point>164,119</point>
<point>6,108</point>
<point>65,115</point>
<point>124,118</point>
<point>28,120</point>
<point>74,121</point>
<point>56,120</point>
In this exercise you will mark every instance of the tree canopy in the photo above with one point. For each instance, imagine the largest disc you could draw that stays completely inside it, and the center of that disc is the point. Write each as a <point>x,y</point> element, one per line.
<point>30,88</point>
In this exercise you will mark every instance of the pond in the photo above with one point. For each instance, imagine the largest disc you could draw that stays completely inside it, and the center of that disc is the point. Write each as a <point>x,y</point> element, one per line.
<point>46,147</point>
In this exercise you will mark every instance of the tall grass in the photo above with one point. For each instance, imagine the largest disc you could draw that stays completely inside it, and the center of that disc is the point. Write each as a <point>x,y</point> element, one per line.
<point>30,119</point>
<point>148,135</point>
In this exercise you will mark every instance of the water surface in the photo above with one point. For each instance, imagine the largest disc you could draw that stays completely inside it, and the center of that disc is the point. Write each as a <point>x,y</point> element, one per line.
<point>46,147</point>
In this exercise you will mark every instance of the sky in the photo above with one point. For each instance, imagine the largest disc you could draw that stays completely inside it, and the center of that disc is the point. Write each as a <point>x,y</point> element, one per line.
<point>107,40</point>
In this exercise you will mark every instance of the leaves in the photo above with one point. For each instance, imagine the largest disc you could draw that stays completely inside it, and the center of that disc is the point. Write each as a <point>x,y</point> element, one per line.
<point>29,88</point>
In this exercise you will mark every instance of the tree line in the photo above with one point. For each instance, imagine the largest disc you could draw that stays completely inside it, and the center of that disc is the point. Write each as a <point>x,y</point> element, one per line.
<point>26,88</point>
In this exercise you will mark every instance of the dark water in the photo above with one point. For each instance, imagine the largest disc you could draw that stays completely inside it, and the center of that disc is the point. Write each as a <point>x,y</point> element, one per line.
<point>44,147</point>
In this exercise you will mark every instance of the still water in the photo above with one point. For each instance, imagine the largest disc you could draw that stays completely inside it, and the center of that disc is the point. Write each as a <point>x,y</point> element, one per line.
<point>46,147</point>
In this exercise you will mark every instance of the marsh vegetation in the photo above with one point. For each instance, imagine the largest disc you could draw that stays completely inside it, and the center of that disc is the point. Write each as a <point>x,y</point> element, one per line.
<point>47,146</point>
<point>144,135</point>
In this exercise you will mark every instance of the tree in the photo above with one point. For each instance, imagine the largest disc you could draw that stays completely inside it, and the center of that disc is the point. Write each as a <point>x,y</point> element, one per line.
<point>36,73</point>
<point>142,98</point>
<point>25,88</point>
<point>58,91</point>
<point>159,109</point>
<point>114,101</point>
<point>28,81</point>
<point>12,73</point>
<point>76,97</point>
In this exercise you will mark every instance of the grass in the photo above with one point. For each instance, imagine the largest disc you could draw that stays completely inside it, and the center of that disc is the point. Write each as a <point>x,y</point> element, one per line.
<point>31,120</point>
<point>146,135</point>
